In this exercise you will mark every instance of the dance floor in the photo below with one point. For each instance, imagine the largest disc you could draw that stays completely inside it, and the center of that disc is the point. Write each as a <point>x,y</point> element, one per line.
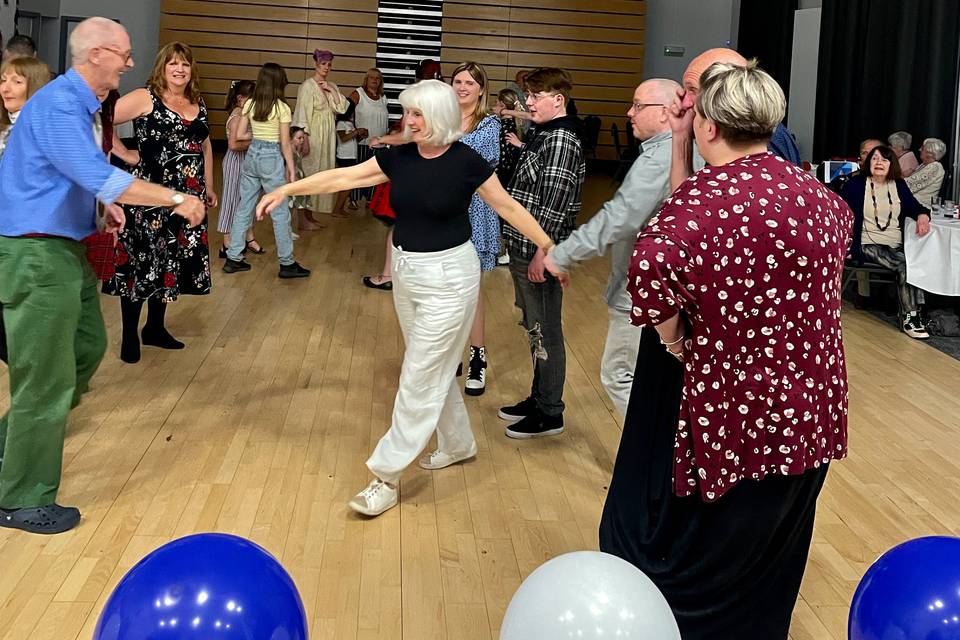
<point>261,426</point>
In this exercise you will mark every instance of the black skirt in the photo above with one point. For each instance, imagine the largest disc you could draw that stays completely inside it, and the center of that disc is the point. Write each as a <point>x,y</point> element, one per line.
<point>730,568</point>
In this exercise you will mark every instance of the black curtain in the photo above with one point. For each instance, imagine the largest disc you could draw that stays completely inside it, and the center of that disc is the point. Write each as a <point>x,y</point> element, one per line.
<point>766,33</point>
<point>885,66</point>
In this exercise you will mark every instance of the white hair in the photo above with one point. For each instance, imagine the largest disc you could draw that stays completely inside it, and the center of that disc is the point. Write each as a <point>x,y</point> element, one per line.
<point>935,146</point>
<point>743,100</point>
<point>437,102</point>
<point>900,140</point>
<point>92,33</point>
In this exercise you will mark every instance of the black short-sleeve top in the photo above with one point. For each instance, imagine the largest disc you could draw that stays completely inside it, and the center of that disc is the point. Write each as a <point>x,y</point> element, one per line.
<point>431,196</point>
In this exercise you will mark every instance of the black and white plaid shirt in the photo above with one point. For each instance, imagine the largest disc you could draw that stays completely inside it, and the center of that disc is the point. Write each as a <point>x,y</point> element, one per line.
<point>548,181</point>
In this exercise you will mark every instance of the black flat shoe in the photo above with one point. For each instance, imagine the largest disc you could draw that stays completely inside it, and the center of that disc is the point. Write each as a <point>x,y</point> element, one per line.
<point>383,285</point>
<point>48,519</point>
<point>259,250</point>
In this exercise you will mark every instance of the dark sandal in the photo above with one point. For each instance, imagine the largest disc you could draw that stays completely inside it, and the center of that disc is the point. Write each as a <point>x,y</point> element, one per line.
<point>48,519</point>
<point>384,285</point>
<point>259,250</point>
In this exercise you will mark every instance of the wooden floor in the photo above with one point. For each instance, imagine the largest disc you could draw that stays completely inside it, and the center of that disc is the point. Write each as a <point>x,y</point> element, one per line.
<point>261,427</point>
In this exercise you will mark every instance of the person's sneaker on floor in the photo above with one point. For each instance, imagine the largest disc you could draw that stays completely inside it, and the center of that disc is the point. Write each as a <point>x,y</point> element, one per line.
<point>439,460</point>
<point>232,266</point>
<point>913,327</point>
<point>504,260</point>
<point>477,372</point>
<point>48,519</point>
<point>536,425</point>
<point>293,271</point>
<point>375,499</point>
<point>518,411</point>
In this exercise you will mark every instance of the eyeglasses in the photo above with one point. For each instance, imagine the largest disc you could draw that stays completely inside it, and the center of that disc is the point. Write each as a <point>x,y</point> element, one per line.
<point>536,97</point>
<point>126,56</point>
<point>638,106</point>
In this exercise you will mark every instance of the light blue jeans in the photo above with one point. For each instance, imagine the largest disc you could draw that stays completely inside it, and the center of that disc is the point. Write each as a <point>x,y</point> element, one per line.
<point>263,170</point>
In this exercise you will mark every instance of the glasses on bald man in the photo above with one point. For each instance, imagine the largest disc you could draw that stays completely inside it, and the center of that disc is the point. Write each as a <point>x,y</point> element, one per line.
<point>639,106</point>
<point>126,56</point>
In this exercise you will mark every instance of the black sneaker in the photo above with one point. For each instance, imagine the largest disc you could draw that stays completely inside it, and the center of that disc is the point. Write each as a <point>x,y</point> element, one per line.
<point>293,271</point>
<point>477,375</point>
<point>518,411</point>
<point>48,519</point>
<point>913,327</point>
<point>232,266</point>
<point>536,425</point>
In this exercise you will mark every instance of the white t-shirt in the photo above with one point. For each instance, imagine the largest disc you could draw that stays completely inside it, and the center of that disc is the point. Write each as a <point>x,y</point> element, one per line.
<point>346,150</point>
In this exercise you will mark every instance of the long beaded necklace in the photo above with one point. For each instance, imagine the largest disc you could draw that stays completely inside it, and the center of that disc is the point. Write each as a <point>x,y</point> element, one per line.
<point>876,219</point>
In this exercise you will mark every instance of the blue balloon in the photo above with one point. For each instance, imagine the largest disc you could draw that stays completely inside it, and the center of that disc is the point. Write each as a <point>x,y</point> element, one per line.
<point>211,586</point>
<point>911,593</point>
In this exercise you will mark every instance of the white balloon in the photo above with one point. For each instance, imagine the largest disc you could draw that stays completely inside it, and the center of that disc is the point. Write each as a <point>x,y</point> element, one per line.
<point>588,595</point>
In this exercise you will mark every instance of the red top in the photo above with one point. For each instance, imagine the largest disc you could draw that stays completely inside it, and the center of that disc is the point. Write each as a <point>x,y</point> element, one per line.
<point>752,254</point>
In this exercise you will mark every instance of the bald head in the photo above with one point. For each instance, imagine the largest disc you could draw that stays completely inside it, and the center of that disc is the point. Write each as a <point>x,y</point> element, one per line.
<point>96,32</point>
<point>691,77</point>
<point>658,91</point>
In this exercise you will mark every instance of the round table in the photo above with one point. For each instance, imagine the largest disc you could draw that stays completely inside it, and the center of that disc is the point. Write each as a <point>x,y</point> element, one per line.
<point>933,261</point>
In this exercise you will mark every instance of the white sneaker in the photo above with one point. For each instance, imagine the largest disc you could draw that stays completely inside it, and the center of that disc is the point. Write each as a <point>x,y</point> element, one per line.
<point>438,459</point>
<point>375,499</point>
<point>295,236</point>
<point>913,327</point>
<point>503,260</point>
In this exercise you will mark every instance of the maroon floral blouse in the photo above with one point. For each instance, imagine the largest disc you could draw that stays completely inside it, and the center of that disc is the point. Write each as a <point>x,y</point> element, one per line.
<point>751,254</point>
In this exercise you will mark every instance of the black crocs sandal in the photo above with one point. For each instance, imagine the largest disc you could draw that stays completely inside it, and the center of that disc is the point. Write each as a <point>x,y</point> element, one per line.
<point>48,519</point>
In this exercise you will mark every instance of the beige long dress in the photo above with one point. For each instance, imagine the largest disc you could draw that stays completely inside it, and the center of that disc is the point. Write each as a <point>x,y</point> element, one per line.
<point>316,112</point>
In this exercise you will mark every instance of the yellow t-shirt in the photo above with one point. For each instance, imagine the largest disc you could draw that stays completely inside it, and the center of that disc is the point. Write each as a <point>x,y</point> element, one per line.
<point>269,131</point>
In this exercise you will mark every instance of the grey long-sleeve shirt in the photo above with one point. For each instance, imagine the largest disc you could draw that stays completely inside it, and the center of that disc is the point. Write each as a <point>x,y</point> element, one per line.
<point>621,218</point>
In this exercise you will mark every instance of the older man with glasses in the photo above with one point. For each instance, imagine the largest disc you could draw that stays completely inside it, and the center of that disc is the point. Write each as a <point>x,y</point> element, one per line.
<point>51,172</point>
<point>615,228</point>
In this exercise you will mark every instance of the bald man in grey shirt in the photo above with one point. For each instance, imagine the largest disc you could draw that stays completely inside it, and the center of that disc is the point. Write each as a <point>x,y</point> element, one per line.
<point>616,225</point>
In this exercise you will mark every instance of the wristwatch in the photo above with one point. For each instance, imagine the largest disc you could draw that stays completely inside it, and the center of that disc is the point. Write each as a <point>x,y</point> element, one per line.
<point>176,199</point>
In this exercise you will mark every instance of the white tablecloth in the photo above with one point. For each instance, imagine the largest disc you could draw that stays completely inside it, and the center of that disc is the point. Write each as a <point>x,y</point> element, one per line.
<point>933,261</point>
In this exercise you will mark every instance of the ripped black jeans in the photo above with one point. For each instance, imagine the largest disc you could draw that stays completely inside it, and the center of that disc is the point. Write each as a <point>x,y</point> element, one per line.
<point>541,304</point>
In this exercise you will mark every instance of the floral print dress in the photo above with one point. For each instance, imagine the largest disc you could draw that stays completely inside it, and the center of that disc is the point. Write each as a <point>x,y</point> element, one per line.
<point>156,253</point>
<point>485,140</point>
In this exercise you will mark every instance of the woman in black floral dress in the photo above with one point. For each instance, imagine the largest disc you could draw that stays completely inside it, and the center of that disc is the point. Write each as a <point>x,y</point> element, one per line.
<point>157,257</point>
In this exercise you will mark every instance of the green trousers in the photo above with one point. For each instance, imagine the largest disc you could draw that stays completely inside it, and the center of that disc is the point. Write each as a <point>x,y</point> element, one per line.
<point>56,339</point>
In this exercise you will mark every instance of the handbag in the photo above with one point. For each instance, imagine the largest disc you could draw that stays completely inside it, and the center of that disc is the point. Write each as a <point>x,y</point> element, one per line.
<point>380,204</point>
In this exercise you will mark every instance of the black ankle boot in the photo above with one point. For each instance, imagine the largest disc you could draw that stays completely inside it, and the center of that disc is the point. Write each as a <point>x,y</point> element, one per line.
<point>154,333</point>
<point>130,342</point>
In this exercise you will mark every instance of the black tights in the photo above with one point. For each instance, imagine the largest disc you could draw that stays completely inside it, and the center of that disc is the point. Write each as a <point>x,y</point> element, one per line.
<point>154,332</point>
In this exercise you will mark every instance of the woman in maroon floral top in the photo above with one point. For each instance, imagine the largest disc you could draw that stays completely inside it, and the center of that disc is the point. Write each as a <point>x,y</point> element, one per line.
<point>740,398</point>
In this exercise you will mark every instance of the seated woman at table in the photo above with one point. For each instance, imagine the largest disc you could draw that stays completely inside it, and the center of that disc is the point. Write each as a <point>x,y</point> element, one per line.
<point>879,197</point>
<point>900,142</point>
<point>926,181</point>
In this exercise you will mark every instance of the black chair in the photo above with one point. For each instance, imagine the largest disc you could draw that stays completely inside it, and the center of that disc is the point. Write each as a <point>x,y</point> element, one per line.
<point>591,136</point>
<point>625,155</point>
<point>875,274</point>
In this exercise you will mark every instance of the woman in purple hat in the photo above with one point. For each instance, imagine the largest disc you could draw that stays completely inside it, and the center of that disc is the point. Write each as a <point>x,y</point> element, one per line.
<point>318,103</point>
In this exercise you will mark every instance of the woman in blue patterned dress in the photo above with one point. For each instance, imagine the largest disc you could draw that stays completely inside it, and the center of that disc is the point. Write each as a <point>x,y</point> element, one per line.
<point>482,134</point>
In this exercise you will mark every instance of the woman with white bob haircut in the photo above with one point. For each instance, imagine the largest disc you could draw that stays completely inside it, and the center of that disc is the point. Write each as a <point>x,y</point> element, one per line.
<point>926,181</point>
<point>436,275</point>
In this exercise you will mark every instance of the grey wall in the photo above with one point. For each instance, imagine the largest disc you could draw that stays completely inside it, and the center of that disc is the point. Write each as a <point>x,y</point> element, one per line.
<point>696,25</point>
<point>803,78</point>
<point>7,12</point>
<point>140,17</point>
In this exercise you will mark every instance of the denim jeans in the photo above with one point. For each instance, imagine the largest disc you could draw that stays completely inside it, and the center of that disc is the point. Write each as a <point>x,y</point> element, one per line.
<point>263,170</point>
<point>435,295</point>
<point>541,304</point>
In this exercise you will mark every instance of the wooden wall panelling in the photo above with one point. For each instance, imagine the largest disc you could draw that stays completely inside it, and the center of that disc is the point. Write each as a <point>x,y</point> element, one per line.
<point>601,42</point>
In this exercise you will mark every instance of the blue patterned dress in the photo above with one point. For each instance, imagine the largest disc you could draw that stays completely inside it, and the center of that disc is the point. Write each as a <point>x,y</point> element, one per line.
<point>485,140</point>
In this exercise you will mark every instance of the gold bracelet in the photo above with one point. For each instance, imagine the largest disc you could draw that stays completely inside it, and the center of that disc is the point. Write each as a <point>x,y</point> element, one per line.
<point>670,344</point>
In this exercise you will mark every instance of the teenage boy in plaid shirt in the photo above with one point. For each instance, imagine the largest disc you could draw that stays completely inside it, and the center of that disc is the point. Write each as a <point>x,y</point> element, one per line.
<point>547,181</point>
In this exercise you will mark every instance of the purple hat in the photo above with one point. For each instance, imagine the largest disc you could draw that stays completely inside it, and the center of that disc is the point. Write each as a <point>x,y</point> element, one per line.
<point>321,55</point>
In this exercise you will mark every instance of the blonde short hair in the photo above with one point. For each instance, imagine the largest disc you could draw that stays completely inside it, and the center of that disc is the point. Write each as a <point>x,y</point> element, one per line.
<point>437,102</point>
<point>743,101</point>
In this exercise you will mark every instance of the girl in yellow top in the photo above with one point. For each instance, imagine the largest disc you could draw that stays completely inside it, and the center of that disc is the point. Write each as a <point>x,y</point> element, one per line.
<point>267,166</point>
